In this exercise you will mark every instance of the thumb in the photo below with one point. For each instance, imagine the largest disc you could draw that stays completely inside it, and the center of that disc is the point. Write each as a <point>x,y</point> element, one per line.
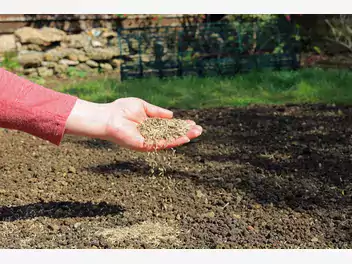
<point>156,111</point>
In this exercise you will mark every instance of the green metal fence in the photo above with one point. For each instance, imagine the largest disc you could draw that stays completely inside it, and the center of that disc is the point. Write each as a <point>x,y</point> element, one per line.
<point>207,49</point>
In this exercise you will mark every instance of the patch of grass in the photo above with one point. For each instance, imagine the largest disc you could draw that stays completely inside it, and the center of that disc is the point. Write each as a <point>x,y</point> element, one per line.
<point>73,72</point>
<point>38,80</point>
<point>303,86</point>
<point>10,61</point>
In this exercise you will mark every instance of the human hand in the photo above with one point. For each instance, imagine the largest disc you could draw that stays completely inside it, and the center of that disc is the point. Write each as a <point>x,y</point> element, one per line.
<point>117,122</point>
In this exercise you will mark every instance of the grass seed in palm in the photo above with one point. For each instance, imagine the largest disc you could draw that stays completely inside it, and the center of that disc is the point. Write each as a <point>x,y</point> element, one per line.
<point>156,129</point>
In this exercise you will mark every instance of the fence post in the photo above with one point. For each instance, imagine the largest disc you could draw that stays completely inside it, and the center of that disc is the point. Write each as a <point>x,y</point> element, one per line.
<point>141,72</point>
<point>296,50</point>
<point>119,34</point>
<point>179,61</point>
<point>239,52</point>
<point>278,57</point>
<point>159,52</point>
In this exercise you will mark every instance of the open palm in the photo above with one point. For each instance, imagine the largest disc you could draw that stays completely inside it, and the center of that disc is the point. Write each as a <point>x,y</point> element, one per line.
<point>127,113</point>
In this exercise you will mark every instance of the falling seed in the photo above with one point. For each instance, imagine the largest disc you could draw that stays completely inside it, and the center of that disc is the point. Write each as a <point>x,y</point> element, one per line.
<point>155,130</point>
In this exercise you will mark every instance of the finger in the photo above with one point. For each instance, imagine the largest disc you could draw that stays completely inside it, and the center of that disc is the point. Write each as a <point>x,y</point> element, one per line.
<point>195,131</point>
<point>178,142</point>
<point>191,122</point>
<point>163,144</point>
<point>156,111</point>
<point>132,140</point>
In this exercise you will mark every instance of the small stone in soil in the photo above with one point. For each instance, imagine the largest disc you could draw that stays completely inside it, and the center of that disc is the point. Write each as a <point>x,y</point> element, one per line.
<point>314,239</point>
<point>72,169</point>
<point>211,214</point>
<point>236,216</point>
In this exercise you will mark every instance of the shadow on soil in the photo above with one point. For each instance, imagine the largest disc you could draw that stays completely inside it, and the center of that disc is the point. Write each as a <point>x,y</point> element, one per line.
<point>124,166</point>
<point>295,156</point>
<point>58,210</point>
<point>95,143</point>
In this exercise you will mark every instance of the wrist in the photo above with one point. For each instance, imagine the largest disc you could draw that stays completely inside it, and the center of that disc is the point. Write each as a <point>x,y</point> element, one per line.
<point>87,119</point>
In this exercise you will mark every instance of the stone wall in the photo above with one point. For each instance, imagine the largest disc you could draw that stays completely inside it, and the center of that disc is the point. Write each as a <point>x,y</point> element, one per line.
<point>49,51</point>
<point>46,50</point>
<point>76,23</point>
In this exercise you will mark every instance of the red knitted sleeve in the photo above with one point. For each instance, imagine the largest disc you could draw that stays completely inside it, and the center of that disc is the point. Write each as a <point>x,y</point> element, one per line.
<point>33,109</point>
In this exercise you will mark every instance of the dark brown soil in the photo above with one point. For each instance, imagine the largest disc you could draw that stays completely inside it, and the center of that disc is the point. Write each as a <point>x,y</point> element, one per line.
<point>259,177</point>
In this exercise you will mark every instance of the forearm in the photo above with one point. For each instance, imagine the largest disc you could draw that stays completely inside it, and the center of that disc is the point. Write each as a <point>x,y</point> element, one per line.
<point>33,109</point>
<point>87,119</point>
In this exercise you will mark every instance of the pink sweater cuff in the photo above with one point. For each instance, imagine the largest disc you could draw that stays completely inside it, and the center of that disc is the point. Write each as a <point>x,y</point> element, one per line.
<point>33,109</point>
